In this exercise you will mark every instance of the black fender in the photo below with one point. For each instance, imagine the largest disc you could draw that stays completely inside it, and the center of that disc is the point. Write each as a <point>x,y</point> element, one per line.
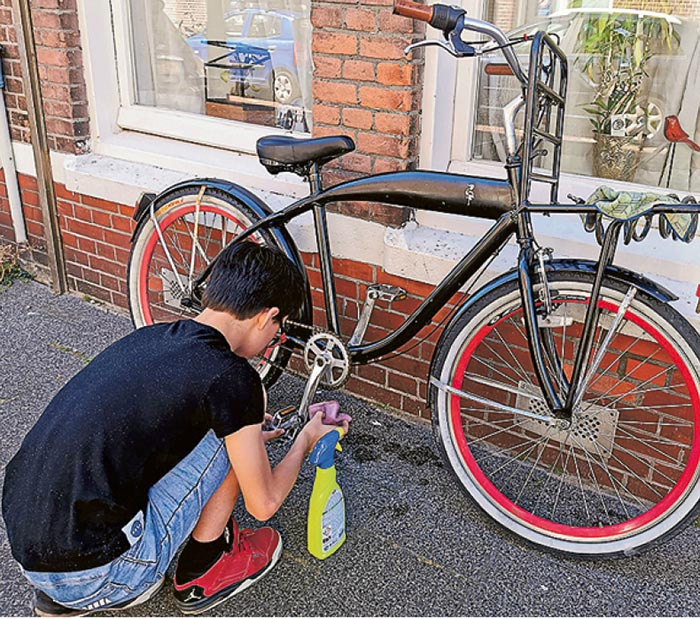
<point>255,204</point>
<point>615,273</point>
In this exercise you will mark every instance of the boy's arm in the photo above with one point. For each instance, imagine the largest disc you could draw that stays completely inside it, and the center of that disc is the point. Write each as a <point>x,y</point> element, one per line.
<point>264,489</point>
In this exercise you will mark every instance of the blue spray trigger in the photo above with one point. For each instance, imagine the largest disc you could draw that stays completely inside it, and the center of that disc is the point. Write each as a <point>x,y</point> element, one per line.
<point>323,454</point>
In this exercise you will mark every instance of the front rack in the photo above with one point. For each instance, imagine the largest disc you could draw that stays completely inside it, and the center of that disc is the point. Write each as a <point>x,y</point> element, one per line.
<point>544,116</point>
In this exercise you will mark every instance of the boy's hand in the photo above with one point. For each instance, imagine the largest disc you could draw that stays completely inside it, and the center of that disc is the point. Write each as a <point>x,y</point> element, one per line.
<point>316,429</point>
<point>269,435</point>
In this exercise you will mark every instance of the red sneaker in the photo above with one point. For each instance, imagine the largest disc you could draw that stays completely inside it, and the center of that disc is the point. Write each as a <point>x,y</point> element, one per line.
<point>251,555</point>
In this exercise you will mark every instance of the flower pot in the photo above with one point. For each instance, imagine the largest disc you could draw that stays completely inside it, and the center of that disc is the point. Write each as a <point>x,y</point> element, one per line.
<point>616,157</point>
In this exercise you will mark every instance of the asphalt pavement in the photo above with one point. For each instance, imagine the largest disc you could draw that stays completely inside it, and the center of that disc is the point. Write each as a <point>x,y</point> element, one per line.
<point>415,545</point>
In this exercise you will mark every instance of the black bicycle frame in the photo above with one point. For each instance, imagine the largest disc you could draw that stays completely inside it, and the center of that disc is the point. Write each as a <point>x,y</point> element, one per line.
<point>432,191</point>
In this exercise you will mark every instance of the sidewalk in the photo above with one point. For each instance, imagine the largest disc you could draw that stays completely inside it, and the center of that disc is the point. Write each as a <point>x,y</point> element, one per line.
<point>416,546</point>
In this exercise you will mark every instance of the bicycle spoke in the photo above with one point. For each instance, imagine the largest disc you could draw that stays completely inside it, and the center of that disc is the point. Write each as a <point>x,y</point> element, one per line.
<point>535,441</point>
<point>550,473</point>
<point>508,348</point>
<point>534,465</point>
<point>593,477</point>
<point>489,363</point>
<point>508,365</point>
<point>580,485</point>
<point>561,482</point>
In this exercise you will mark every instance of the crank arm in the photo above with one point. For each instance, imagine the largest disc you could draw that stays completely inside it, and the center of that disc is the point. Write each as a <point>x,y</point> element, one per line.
<point>320,367</point>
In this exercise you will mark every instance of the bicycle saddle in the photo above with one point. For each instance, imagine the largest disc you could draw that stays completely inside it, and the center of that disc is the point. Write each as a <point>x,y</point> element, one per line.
<point>281,153</point>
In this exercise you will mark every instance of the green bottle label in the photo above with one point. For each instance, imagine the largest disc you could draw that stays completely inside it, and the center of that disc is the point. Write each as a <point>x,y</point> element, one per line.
<point>333,521</point>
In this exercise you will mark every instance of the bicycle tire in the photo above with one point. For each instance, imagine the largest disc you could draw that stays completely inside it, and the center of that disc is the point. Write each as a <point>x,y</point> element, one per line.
<point>625,473</point>
<point>153,289</point>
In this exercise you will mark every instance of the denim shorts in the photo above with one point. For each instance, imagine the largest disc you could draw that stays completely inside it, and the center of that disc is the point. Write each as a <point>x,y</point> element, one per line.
<point>174,505</point>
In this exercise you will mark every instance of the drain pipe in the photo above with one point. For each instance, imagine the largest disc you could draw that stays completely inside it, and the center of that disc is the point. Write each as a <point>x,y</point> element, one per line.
<point>40,145</point>
<point>7,158</point>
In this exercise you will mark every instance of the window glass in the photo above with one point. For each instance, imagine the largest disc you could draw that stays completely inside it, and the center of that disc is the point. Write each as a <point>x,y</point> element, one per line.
<point>632,106</point>
<point>238,60</point>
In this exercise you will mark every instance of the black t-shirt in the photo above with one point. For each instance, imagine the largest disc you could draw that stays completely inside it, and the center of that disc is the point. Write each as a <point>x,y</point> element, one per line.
<point>84,470</point>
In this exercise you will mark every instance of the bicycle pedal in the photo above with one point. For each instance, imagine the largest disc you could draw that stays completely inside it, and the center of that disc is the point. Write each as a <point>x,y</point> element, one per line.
<point>386,292</point>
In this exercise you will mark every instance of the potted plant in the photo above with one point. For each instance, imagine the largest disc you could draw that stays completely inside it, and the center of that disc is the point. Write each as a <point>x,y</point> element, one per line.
<point>617,47</point>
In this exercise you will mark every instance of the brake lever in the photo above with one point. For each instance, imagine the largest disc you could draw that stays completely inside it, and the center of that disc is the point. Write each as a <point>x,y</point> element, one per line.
<point>428,43</point>
<point>467,50</point>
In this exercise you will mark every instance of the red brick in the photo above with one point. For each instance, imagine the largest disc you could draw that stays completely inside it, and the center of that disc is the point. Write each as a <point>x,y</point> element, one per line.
<point>394,23</point>
<point>30,198</point>
<point>326,131</point>
<point>358,118</point>
<point>327,67</point>
<point>324,16</point>
<point>334,92</point>
<point>94,291</point>
<point>54,57</point>
<point>125,224</point>
<point>27,182</point>
<point>382,98</point>
<point>395,74</point>
<point>101,218</point>
<point>382,145</point>
<point>87,245</point>
<point>105,266</point>
<point>353,269</point>
<point>360,19</point>
<point>333,43</point>
<point>372,372</point>
<point>117,238</point>
<point>109,282</point>
<point>120,300</point>
<point>415,407</point>
<point>326,114</point>
<point>359,70</point>
<point>395,124</point>
<point>357,162</point>
<point>405,384</point>
<point>85,229</point>
<point>384,48</point>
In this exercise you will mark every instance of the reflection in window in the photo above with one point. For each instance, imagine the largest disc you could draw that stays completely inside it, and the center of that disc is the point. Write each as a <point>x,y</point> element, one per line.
<point>239,60</point>
<point>632,78</point>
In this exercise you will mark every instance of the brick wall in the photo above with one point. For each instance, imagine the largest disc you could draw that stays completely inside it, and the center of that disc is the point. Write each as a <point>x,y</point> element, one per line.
<point>95,233</point>
<point>365,87</point>
<point>60,69</point>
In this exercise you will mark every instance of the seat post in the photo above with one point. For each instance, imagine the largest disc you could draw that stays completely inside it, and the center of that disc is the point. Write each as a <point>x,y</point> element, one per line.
<point>314,178</point>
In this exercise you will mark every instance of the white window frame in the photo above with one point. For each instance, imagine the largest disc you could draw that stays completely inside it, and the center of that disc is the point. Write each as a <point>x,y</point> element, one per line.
<point>200,129</point>
<point>188,143</point>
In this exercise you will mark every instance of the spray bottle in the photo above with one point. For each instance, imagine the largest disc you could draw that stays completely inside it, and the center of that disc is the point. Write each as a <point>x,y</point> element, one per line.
<point>326,525</point>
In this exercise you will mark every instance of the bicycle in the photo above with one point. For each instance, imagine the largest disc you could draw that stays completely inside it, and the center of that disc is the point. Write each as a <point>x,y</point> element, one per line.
<point>565,393</point>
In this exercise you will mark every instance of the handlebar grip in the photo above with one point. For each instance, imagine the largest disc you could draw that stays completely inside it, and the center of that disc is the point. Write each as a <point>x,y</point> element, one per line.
<point>407,8</point>
<point>498,68</point>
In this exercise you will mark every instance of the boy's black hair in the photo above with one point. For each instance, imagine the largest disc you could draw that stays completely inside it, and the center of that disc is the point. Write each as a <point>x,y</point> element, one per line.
<point>248,277</point>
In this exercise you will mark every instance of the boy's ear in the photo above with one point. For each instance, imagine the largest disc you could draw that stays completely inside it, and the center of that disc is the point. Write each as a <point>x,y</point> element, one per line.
<point>266,315</point>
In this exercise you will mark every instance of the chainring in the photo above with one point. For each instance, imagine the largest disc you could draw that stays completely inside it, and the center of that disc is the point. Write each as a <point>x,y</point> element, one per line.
<point>330,347</point>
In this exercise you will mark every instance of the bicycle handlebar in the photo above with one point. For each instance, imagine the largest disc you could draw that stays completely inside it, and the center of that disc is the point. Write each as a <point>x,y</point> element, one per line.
<point>448,19</point>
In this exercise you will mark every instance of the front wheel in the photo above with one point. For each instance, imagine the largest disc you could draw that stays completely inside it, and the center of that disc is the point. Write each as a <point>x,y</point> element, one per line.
<point>622,474</point>
<point>174,246</point>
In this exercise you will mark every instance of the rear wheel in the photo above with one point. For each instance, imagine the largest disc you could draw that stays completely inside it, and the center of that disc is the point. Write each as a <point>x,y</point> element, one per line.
<point>172,249</point>
<point>623,474</point>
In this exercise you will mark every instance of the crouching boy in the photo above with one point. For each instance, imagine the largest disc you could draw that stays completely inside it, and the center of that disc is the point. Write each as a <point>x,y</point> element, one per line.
<point>149,447</point>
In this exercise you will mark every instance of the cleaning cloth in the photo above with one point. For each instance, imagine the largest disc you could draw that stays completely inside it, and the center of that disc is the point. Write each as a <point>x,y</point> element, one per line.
<point>331,413</point>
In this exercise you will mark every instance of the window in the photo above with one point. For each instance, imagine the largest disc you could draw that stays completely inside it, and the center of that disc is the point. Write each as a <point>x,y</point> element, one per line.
<point>632,81</point>
<point>234,61</point>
